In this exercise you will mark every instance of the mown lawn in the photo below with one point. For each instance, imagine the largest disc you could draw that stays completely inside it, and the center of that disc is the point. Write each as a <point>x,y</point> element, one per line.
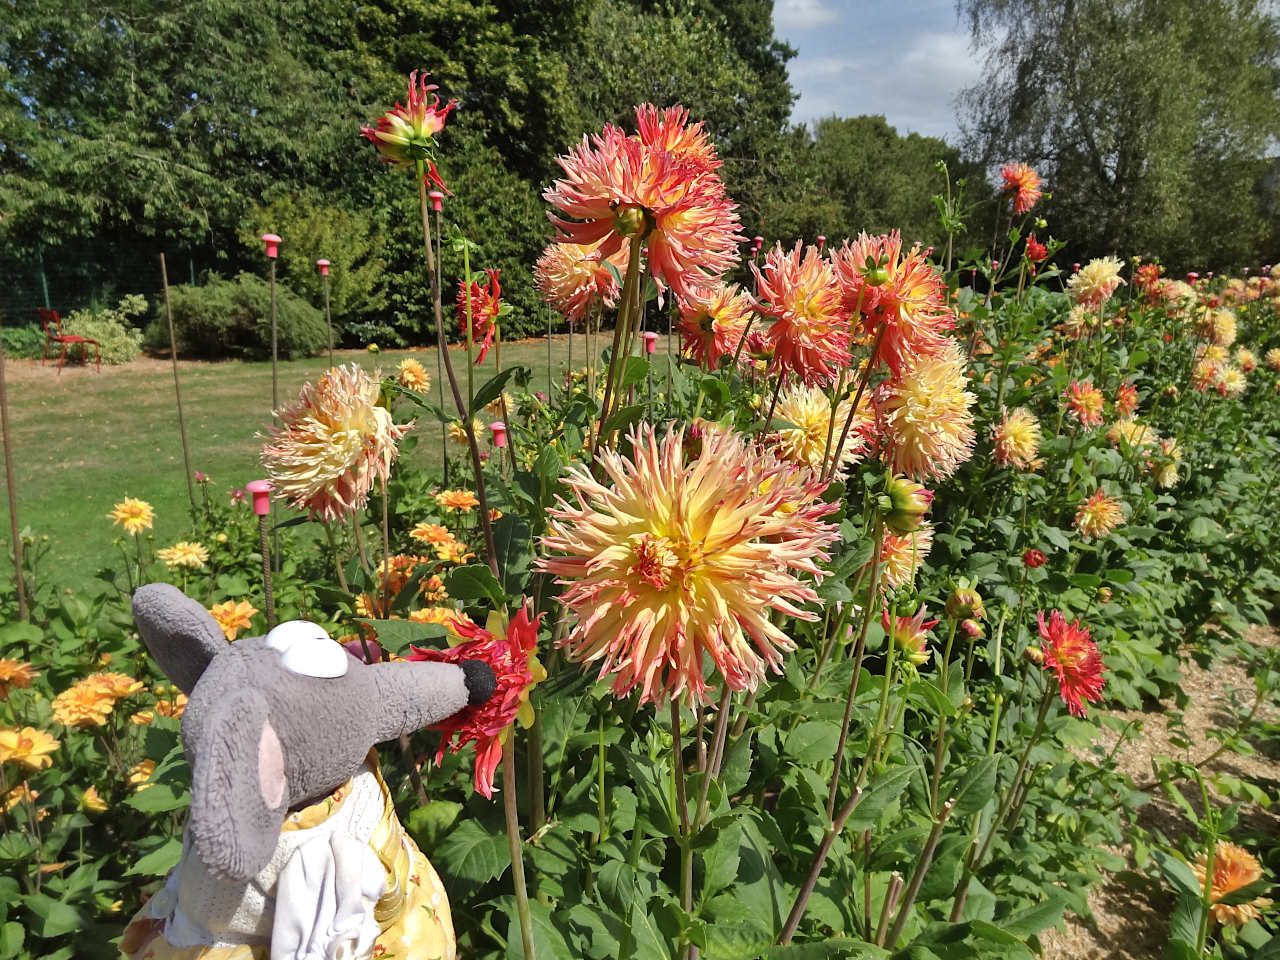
<point>84,440</point>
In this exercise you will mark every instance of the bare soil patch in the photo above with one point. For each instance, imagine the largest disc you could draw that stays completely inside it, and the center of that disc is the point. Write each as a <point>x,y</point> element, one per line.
<point>1130,912</point>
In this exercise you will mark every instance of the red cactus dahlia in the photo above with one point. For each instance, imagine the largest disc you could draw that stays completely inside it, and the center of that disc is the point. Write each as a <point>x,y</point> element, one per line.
<point>1071,654</point>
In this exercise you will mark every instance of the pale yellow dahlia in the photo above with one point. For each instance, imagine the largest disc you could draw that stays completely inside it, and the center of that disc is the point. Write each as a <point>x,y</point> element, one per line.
<point>233,616</point>
<point>1213,353</point>
<point>412,375</point>
<point>1234,868</point>
<point>1246,359</point>
<point>1098,515</point>
<point>186,554</point>
<point>1272,358</point>
<point>1080,322</point>
<point>670,558</point>
<point>902,554</point>
<point>1164,464</point>
<point>1016,439</point>
<point>814,434</point>
<point>1133,433</point>
<point>133,514</point>
<point>28,747</point>
<point>1095,282</point>
<point>1220,327</point>
<point>1231,380</point>
<point>572,277</point>
<point>332,444</point>
<point>924,417</point>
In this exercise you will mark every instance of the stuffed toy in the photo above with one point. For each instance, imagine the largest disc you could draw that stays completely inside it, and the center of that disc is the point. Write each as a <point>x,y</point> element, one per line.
<point>292,850</point>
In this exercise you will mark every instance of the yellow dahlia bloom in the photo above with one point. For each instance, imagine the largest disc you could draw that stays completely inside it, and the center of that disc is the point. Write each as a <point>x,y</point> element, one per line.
<point>1234,868</point>
<point>1133,433</point>
<point>233,616</point>
<point>1079,323</point>
<point>117,685</point>
<point>140,774</point>
<point>413,376</point>
<point>91,802</point>
<point>1220,327</point>
<point>23,793</point>
<point>1272,358</point>
<point>133,514</point>
<point>670,560</point>
<point>84,704</point>
<point>1246,359</point>
<point>1095,282</point>
<point>924,416</point>
<point>332,444</point>
<point>902,554</point>
<point>446,617</point>
<point>1164,463</point>
<point>29,747</point>
<point>15,673</point>
<point>462,500</point>
<point>186,554</point>
<point>1213,353</point>
<point>1016,439</point>
<point>810,410</point>
<point>1098,516</point>
<point>1231,380</point>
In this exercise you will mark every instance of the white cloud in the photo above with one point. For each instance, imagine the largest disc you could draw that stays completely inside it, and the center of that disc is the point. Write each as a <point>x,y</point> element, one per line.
<point>915,88</point>
<point>791,15</point>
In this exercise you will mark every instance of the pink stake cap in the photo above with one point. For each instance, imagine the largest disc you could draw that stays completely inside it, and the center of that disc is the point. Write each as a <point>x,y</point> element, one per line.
<point>1192,277</point>
<point>273,245</point>
<point>1075,268</point>
<point>437,200</point>
<point>261,490</point>
<point>650,341</point>
<point>324,267</point>
<point>499,430</point>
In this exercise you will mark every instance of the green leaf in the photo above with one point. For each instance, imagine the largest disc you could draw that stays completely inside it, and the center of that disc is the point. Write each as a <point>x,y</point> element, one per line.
<point>619,420</point>
<point>492,388</point>
<point>634,371</point>
<point>11,937</point>
<point>471,855</point>
<point>1032,920</point>
<point>1184,922</point>
<point>720,861</point>
<point>397,635</point>
<point>1177,872</point>
<point>976,788</point>
<point>423,401</point>
<point>159,861</point>
<point>548,941</point>
<point>1204,530</point>
<point>832,949</point>
<point>881,792</point>
<point>16,846</point>
<point>475,582</point>
<point>935,698</point>
<point>512,541</point>
<point>427,824</point>
<point>158,798</point>
<point>812,742</point>
<point>56,917</point>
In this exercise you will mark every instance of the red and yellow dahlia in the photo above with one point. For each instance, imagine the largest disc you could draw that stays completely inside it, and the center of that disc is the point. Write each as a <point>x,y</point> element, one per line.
<point>910,635</point>
<point>1098,515</point>
<point>925,424</point>
<point>810,334</point>
<point>676,557</point>
<point>1022,184</point>
<point>405,135</point>
<point>713,321</point>
<point>483,304</point>
<point>1085,402</point>
<point>1069,651</point>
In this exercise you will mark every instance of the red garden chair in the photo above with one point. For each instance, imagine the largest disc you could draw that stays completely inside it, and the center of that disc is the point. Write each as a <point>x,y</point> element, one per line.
<point>52,324</point>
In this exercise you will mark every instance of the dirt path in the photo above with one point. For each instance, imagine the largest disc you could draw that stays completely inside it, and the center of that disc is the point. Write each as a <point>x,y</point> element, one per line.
<point>1130,912</point>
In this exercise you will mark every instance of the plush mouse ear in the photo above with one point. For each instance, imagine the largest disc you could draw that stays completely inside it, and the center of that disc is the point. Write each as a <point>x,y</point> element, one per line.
<point>178,631</point>
<point>238,790</point>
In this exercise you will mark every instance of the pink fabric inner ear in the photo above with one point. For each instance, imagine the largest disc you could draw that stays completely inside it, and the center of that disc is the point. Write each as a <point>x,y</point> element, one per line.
<point>270,767</point>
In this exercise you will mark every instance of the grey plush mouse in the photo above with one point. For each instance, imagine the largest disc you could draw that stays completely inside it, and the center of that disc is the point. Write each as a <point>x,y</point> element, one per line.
<point>293,850</point>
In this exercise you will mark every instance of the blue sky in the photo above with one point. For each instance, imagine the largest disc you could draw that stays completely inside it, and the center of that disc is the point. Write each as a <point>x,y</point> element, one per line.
<point>907,60</point>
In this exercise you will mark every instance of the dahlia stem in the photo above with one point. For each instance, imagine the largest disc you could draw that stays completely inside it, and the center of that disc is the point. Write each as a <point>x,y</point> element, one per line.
<point>629,284</point>
<point>717,753</point>
<point>917,878</point>
<point>737,351</point>
<point>834,405</point>
<point>337,560</point>
<point>463,411</point>
<point>773,403</point>
<point>682,808</point>
<point>602,832</point>
<point>440,348</point>
<point>857,398</point>
<point>386,554</point>
<point>890,904</point>
<point>515,844</point>
<point>975,862</point>
<point>815,868</point>
<point>940,745</point>
<point>537,781</point>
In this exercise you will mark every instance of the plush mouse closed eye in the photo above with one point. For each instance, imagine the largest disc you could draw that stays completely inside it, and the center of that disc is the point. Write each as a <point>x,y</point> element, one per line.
<point>275,724</point>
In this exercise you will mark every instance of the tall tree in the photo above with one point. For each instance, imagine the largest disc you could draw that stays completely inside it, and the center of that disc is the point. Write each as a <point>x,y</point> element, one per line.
<point>1151,119</point>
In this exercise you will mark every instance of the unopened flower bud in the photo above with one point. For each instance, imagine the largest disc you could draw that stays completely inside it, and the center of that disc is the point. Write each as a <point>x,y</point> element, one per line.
<point>1041,223</point>
<point>908,503</point>
<point>966,705</point>
<point>1104,594</point>
<point>971,629</point>
<point>965,604</point>
<point>1171,391</point>
<point>1034,558</point>
<point>1034,655</point>
<point>630,220</point>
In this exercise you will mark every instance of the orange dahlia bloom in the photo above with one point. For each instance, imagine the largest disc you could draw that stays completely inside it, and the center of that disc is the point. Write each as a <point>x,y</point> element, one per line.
<point>118,685</point>
<point>1126,400</point>
<point>1022,184</point>
<point>902,554</point>
<point>413,376</point>
<point>15,673</point>
<point>445,616</point>
<point>1016,439</point>
<point>28,746</point>
<point>1147,280</point>
<point>572,277</point>
<point>84,704</point>
<point>617,187</point>
<point>405,135</point>
<point>712,322</point>
<point>1234,868</point>
<point>1094,283</point>
<point>432,533</point>
<point>810,335</point>
<point>514,661</point>
<point>1098,515</point>
<point>484,303</point>
<point>331,445</point>
<point>462,500</point>
<point>925,423</point>
<point>668,131</point>
<point>1085,402</point>
<point>1069,651</point>
<point>902,299</point>
<point>670,559</point>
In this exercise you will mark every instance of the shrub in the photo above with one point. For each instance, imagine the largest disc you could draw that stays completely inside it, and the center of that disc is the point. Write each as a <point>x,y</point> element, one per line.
<point>232,318</point>
<point>119,340</point>
<point>27,342</point>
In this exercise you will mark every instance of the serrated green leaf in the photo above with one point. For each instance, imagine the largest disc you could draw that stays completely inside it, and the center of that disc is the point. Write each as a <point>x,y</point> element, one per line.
<point>472,855</point>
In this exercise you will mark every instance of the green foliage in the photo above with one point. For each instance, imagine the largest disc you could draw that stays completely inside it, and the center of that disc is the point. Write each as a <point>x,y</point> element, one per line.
<point>118,338</point>
<point>26,342</point>
<point>231,318</point>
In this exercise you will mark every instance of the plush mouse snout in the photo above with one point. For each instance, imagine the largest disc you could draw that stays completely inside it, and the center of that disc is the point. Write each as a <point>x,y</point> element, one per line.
<point>480,681</point>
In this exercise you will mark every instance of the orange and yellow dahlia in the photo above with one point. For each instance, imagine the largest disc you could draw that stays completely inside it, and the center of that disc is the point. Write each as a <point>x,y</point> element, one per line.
<point>1085,403</point>
<point>1022,184</point>
<point>1071,654</point>
<point>713,321</point>
<point>1016,439</point>
<point>1098,515</point>
<point>572,278</point>
<point>925,424</point>
<point>1234,868</point>
<point>810,333</point>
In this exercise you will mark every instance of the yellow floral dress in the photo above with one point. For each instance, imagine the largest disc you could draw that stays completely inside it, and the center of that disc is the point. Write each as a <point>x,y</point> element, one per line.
<point>197,917</point>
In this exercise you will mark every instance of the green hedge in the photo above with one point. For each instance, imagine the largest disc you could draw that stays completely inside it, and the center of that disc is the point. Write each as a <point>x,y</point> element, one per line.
<point>231,318</point>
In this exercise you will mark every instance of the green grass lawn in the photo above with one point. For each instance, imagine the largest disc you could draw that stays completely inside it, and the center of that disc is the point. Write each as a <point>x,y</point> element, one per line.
<point>84,440</point>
